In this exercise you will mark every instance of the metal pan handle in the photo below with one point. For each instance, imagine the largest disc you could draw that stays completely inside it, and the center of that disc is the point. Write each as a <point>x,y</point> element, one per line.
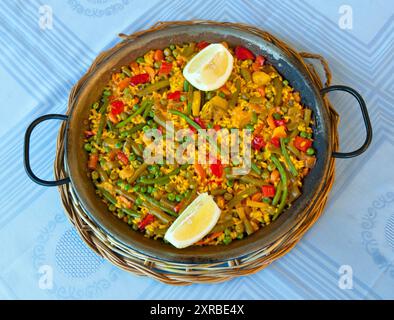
<point>26,154</point>
<point>367,121</point>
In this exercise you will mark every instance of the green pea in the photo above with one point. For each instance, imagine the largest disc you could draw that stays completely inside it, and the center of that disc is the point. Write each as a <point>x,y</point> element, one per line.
<point>175,53</point>
<point>249,127</point>
<point>136,107</point>
<point>169,59</point>
<point>120,214</point>
<point>127,187</point>
<point>240,236</point>
<point>221,94</point>
<point>310,151</point>
<point>172,47</point>
<point>88,147</point>
<point>171,196</point>
<point>95,175</point>
<point>140,60</point>
<point>183,98</point>
<point>286,140</point>
<point>112,207</point>
<point>157,65</point>
<point>227,231</point>
<point>227,240</point>
<point>230,183</point>
<point>277,116</point>
<point>209,95</point>
<point>136,188</point>
<point>131,157</point>
<point>150,189</point>
<point>118,145</point>
<point>143,189</point>
<point>106,93</point>
<point>309,136</point>
<point>285,82</point>
<point>139,201</point>
<point>267,200</point>
<point>178,198</point>
<point>167,52</point>
<point>271,167</point>
<point>114,175</point>
<point>145,128</point>
<point>265,175</point>
<point>303,134</point>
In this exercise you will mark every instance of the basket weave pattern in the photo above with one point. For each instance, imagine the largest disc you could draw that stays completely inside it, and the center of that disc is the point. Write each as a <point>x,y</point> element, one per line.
<point>184,274</point>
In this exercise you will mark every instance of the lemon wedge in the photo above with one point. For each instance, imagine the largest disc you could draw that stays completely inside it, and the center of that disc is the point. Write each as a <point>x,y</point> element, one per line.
<point>210,68</point>
<point>195,222</point>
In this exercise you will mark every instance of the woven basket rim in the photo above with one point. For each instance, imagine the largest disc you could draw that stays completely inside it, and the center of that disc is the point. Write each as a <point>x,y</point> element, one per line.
<point>185,273</point>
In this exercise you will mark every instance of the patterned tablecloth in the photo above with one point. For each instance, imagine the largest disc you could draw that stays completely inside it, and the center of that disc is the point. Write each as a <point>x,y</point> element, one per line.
<point>45,46</point>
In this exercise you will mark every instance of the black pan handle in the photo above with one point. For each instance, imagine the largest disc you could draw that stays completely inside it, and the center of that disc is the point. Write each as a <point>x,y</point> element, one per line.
<point>26,154</point>
<point>364,112</point>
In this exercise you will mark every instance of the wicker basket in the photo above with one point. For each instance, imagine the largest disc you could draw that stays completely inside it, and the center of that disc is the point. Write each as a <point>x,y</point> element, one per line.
<point>185,274</point>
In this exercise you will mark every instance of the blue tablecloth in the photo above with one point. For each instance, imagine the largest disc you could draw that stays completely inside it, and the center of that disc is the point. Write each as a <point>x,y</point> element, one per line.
<point>39,63</point>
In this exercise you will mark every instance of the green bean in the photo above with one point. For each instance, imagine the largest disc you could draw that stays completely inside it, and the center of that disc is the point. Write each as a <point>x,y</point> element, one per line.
<point>222,226</point>
<point>131,213</point>
<point>126,71</point>
<point>132,130</point>
<point>255,168</point>
<point>144,104</point>
<point>189,99</point>
<point>254,118</point>
<point>153,87</point>
<point>156,203</point>
<point>103,119</point>
<point>170,205</point>
<point>188,51</point>
<point>307,116</point>
<point>136,149</point>
<point>245,73</point>
<point>138,172</point>
<point>147,110</point>
<point>185,85</point>
<point>234,96</point>
<point>218,192</point>
<point>241,196</point>
<point>251,180</point>
<point>248,227</point>
<point>194,125</point>
<point>108,196</point>
<point>277,194</point>
<point>288,161</point>
<point>278,85</point>
<point>284,186</point>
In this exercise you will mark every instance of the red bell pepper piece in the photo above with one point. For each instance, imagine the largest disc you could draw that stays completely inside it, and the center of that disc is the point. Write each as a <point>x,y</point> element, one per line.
<point>243,54</point>
<point>217,168</point>
<point>89,133</point>
<point>280,122</point>
<point>122,158</point>
<point>147,220</point>
<point>217,127</point>
<point>93,160</point>
<point>139,79</point>
<point>200,122</point>
<point>260,60</point>
<point>176,95</point>
<point>268,191</point>
<point>165,68</point>
<point>302,144</point>
<point>117,107</point>
<point>258,142</point>
<point>275,142</point>
<point>202,44</point>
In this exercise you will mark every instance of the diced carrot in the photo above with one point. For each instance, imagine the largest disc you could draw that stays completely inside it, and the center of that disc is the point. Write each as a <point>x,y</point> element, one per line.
<point>93,160</point>
<point>123,84</point>
<point>158,56</point>
<point>211,237</point>
<point>200,171</point>
<point>279,132</point>
<point>257,196</point>
<point>275,176</point>
<point>125,201</point>
<point>225,90</point>
<point>261,90</point>
<point>271,122</point>
<point>113,118</point>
